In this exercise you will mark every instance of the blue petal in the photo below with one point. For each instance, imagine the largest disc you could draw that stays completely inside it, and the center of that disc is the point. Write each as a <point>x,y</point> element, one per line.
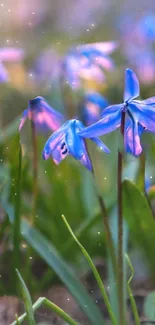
<point>74,141</point>
<point>131,85</point>
<point>58,154</point>
<point>144,114</point>
<point>101,145</point>
<point>85,160</point>
<point>133,132</point>
<point>108,123</point>
<point>54,140</point>
<point>112,109</point>
<point>102,47</point>
<point>149,101</point>
<point>23,119</point>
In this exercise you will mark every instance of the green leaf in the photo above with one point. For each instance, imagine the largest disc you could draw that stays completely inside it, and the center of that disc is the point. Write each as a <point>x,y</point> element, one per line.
<point>95,272</point>
<point>111,277</point>
<point>50,305</point>
<point>10,130</point>
<point>140,220</point>
<point>27,300</point>
<point>16,224</point>
<point>50,255</point>
<point>149,306</point>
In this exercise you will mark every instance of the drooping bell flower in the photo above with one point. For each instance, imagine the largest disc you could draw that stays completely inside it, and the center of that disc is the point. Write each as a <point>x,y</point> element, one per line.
<point>67,141</point>
<point>139,116</point>
<point>44,117</point>
<point>92,107</point>
<point>87,61</point>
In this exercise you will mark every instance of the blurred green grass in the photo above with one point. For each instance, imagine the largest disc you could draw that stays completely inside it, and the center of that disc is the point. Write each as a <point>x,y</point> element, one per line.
<point>66,189</point>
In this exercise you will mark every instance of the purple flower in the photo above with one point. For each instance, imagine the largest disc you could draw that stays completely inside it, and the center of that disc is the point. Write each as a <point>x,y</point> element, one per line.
<point>147,27</point>
<point>9,54</point>
<point>92,107</point>
<point>43,116</point>
<point>87,61</point>
<point>144,62</point>
<point>139,116</point>
<point>67,141</point>
<point>47,67</point>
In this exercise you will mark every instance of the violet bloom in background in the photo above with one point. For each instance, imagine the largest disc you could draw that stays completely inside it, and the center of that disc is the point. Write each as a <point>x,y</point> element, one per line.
<point>88,61</point>
<point>139,116</point>
<point>93,106</point>
<point>146,27</point>
<point>44,117</point>
<point>67,141</point>
<point>81,16</point>
<point>47,67</point>
<point>138,45</point>
<point>9,55</point>
<point>144,61</point>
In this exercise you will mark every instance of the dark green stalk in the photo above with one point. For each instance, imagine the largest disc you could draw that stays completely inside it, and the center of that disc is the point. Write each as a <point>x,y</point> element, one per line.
<point>16,225</point>
<point>107,230</point>
<point>142,171</point>
<point>108,234</point>
<point>120,231</point>
<point>35,172</point>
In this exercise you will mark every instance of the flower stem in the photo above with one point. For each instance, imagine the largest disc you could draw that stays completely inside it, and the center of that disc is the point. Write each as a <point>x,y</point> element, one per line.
<point>120,231</point>
<point>142,171</point>
<point>35,172</point>
<point>107,230</point>
<point>17,221</point>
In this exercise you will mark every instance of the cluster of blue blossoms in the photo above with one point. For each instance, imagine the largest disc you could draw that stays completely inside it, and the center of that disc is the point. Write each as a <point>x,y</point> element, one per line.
<point>69,136</point>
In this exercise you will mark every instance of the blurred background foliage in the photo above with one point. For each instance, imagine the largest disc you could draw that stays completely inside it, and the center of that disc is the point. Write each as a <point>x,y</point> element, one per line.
<point>50,28</point>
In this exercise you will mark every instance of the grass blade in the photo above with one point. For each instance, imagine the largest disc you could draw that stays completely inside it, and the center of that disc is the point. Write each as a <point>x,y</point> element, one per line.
<point>43,301</point>
<point>17,320</point>
<point>27,301</point>
<point>132,300</point>
<point>95,272</point>
<point>49,254</point>
<point>16,224</point>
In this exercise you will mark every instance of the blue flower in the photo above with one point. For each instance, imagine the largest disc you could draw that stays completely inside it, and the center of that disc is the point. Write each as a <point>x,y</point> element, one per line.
<point>88,61</point>
<point>93,105</point>
<point>139,116</point>
<point>43,116</point>
<point>147,27</point>
<point>67,141</point>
